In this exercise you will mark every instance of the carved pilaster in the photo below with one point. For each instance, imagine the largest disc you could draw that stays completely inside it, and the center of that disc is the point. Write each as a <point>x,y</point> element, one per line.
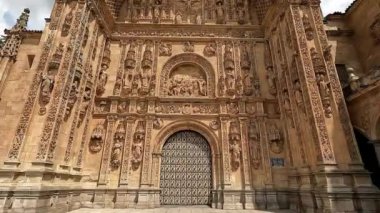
<point>226,153</point>
<point>107,148</point>
<point>245,153</point>
<point>338,97</point>
<point>127,152</point>
<point>323,144</point>
<point>146,167</point>
<point>65,76</point>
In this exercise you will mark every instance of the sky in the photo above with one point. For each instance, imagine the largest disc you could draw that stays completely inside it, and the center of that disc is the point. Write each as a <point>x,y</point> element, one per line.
<point>10,10</point>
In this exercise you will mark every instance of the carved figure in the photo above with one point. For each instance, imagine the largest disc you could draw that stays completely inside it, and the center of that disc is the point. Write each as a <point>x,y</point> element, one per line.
<point>47,86</point>
<point>221,86</point>
<point>84,105</point>
<point>188,47</point>
<point>137,147</point>
<point>165,49</point>
<point>103,77</point>
<point>67,24</point>
<point>178,18</point>
<point>198,19</point>
<point>220,17</point>
<point>271,76</point>
<point>119,139</point>
<point>97,138</point>
<point>298,94</point>
<point>72,99</point>
<point>157,123</point>
<point>308,27</point>
<point>275,139</point>
<point>234,136</point>
<point>210,50</point>
<point>241,15</point>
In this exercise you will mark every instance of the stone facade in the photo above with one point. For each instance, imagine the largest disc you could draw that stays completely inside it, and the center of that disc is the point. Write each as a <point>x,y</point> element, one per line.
<point>90,106</point>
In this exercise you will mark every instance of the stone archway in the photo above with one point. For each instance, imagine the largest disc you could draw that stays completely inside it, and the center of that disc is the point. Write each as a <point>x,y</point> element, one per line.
<point>186,177</point>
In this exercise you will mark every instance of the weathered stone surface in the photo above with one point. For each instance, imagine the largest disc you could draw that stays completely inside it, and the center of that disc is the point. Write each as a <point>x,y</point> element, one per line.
<point>235,104</point>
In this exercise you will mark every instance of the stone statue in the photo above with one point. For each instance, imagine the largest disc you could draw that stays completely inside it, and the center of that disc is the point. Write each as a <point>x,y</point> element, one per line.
<point>103,77</point>
<point>241,15</point>
<point>221,86</point>
<point>271,76</point>
<point>275,139</point>
<point>234,136</point>
<point>137,147</point>
<point>298,94</point>
<point>220,17</point>
<point>198,19</point>
<point>119,138</point>
<point>178,18</point>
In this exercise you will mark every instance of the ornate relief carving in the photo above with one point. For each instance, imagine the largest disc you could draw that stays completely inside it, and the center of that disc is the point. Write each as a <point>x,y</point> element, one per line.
<point>103,75</point>
<point>187,75</point>
<point>101,107</point>
<point>215,125</point>
<point>254,144</point>
<point>235,139</point>
<point>179,108</point>
<point>122,107</point>
<point>84,105</point>
<point>142,107</point>
<point>165,49</point>
<point>233,108</point>
<point>229,69</point>
<point>97,138</point>
<point>67,23</point>
<point>72,97</point>
<point>276,142</point>
<point>210,50</point>
<point>137,146</point>
<point>188,47</point>
<point>322,144</point>
<point>146,69</point>
<point>157,123</point>
<point>271,75</point>
<point>117,148</point>
<point>308,27</point>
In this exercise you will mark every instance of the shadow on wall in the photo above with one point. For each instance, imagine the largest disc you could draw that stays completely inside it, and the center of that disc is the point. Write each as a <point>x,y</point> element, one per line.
<point>367,151</point>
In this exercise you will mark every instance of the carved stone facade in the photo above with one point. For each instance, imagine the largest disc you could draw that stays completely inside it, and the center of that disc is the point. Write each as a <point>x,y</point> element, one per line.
<point>136,104</point>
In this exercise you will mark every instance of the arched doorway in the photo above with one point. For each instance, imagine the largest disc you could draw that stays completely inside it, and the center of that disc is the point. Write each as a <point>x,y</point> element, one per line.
<point>186,175</point>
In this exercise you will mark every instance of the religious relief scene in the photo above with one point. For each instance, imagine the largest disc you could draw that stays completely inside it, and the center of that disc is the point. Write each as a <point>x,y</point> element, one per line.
<point>220,104</point>
<point>187,81</point>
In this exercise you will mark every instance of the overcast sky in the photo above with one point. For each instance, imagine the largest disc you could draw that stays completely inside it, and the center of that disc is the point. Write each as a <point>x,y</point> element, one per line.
<point>40,9</point>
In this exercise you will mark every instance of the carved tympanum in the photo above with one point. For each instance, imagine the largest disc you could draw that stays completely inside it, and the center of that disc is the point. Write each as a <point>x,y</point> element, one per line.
<point>187,81</point>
